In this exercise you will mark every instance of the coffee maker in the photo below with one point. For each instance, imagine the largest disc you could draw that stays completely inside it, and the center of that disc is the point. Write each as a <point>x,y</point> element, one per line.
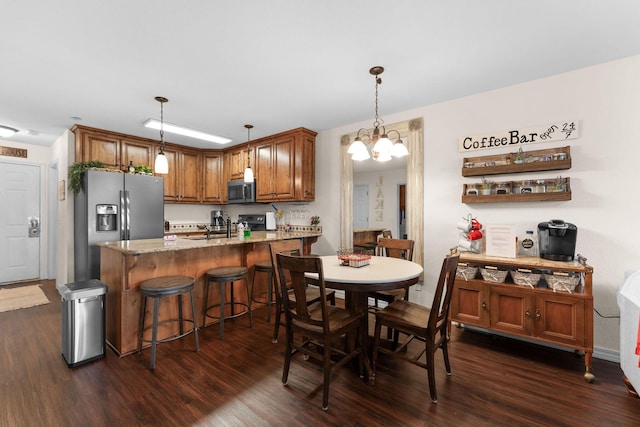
<point>557,240</point>
<point>217,220</point>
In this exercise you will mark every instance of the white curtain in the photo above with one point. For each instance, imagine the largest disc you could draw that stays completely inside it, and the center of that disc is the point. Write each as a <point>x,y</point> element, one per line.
<point>346,194</point>
<point>412,130</point>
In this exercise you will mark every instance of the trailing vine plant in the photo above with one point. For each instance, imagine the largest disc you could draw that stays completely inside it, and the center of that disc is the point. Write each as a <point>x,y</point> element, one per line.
<point>76,171</point>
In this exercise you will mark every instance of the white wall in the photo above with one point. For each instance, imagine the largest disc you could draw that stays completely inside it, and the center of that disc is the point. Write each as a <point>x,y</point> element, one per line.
<point>604,205</point>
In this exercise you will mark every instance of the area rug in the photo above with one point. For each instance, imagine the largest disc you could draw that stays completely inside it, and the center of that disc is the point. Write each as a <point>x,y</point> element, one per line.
<point>22,297</point>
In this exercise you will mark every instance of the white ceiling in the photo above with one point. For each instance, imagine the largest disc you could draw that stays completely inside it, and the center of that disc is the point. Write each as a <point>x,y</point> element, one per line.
<point>282,64</point>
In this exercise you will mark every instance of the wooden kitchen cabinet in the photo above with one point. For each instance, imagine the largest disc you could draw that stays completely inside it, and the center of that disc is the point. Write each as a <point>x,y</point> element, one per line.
<point>285,166</point>
<point>539,313</point>
<point>275,169</point>
<point>113,149</point>
<point>235,162</point>
<point>182,183</point>
<point>213,182</point>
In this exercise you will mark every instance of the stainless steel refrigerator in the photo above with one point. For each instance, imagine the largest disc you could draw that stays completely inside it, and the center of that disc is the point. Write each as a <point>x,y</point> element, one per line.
<point>114,206</point>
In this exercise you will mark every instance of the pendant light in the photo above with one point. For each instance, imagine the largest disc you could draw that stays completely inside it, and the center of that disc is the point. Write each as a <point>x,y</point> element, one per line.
<point>383,148</point>
<point>248,173</point>
<point>161,163</point>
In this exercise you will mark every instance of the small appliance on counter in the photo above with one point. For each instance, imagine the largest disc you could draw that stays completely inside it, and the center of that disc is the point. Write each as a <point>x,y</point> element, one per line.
<point>270,218</point>
<point>254,222</point>
<point>557,240</point>
<point>217,221</point>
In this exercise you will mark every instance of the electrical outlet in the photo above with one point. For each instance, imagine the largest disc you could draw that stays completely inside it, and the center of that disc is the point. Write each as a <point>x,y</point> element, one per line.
<point>418,287</point>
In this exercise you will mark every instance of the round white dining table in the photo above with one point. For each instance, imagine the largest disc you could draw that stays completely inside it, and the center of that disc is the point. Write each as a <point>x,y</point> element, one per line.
<point>382,273</point>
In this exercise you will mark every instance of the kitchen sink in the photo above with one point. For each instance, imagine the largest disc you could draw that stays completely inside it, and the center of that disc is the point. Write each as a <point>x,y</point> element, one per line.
<point>204,237</point>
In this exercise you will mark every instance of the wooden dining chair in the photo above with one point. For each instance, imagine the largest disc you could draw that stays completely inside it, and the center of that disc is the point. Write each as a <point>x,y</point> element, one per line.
<point>396,248</point>
<point>291,247</point>
<point>419,322</point>
<point>320,325</point>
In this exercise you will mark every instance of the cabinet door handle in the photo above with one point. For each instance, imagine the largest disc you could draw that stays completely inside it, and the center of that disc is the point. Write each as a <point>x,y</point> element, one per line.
<point>484,305</point>
<point>527,313</point>
<point>538,315</point>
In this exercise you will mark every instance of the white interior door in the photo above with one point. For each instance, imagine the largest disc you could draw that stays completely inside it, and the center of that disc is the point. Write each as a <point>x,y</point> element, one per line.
<point>360,206</point>
<point>19,222</point>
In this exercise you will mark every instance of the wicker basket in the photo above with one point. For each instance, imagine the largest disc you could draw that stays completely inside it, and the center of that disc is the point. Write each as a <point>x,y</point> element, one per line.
<point>562,282</point>
<point>523,277</point>
<point>492,274</point>
<point>466,272</point>
<point>354,260</point>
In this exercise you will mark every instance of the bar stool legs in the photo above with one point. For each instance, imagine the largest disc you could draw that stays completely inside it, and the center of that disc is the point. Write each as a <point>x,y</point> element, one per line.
<point>224,275</point>
<point>264,267</point>
<point>157,289</point>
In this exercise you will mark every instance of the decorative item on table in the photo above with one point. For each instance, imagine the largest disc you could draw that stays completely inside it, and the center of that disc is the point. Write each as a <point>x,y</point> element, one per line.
<point>492,274</point>
<point>471,235</point>
<point>315,220</point>
<point>525,277</point>
<point>466,271</point>
<point>343,255</point>
<point>347,258</point>
<point>561,281</point>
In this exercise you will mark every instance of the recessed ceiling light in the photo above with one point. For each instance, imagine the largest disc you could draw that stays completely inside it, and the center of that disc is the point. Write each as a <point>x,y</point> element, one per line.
<point>181,130</point>
<point>6,131</point>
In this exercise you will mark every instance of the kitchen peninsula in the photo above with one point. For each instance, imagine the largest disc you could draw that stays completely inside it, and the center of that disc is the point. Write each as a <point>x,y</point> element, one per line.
<point>126,264</point>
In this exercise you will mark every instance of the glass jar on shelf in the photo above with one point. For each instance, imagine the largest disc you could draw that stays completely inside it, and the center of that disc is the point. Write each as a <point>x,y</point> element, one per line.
<point>539,186</point>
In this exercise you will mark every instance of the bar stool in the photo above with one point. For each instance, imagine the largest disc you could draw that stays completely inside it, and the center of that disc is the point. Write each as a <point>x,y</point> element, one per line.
<point>157,289</point>
<point>263,267</point>
<point>224,275</point>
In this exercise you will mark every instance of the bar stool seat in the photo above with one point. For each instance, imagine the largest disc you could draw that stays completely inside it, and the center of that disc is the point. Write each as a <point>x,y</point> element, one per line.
<point>263,267</point>
<point>224,275</point>
<point>163,287</point>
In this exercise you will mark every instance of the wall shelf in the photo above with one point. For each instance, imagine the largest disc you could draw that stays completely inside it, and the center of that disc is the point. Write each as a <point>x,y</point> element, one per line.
<point>510,196</point>
<point>534,161</point>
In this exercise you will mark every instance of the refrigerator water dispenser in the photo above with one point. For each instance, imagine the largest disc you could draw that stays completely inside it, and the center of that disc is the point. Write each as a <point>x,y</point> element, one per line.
<point>106,217</point>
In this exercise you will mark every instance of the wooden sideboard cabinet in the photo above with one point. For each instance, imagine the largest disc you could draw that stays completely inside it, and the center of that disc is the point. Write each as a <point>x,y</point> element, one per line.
<point>537,313</point>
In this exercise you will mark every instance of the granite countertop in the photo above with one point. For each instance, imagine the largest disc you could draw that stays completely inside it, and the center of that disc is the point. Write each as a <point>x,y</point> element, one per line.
<point>136,247</point>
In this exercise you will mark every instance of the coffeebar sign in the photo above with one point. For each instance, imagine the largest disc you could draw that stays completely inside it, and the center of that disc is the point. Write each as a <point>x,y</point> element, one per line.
<point>558,131</point>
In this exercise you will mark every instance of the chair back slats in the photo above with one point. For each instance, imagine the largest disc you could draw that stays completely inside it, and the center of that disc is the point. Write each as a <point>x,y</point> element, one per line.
<point>289,247</point>
<point>438,318</point>
<point>396,248</point>
<point>297,267</point>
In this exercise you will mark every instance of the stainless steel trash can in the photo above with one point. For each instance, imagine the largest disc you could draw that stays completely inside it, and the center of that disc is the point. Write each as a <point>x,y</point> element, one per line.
<point>83,321</point>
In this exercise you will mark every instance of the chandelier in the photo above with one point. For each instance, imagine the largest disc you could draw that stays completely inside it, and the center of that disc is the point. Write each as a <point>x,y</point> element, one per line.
<point>383,149</point>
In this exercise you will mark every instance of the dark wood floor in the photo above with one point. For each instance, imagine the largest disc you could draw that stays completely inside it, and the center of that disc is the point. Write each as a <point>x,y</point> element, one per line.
<point>237,382</point>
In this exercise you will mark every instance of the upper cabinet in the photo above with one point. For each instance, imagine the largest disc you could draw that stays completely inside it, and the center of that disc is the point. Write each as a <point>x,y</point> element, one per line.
<point>235,162</point>
<point>112,149</point>
<point>283,164</point>
<point>182,183</point>
<point>213,182</point>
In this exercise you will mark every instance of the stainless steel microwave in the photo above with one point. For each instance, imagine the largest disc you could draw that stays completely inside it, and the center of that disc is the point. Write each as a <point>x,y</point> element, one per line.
<point>239,191</point>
